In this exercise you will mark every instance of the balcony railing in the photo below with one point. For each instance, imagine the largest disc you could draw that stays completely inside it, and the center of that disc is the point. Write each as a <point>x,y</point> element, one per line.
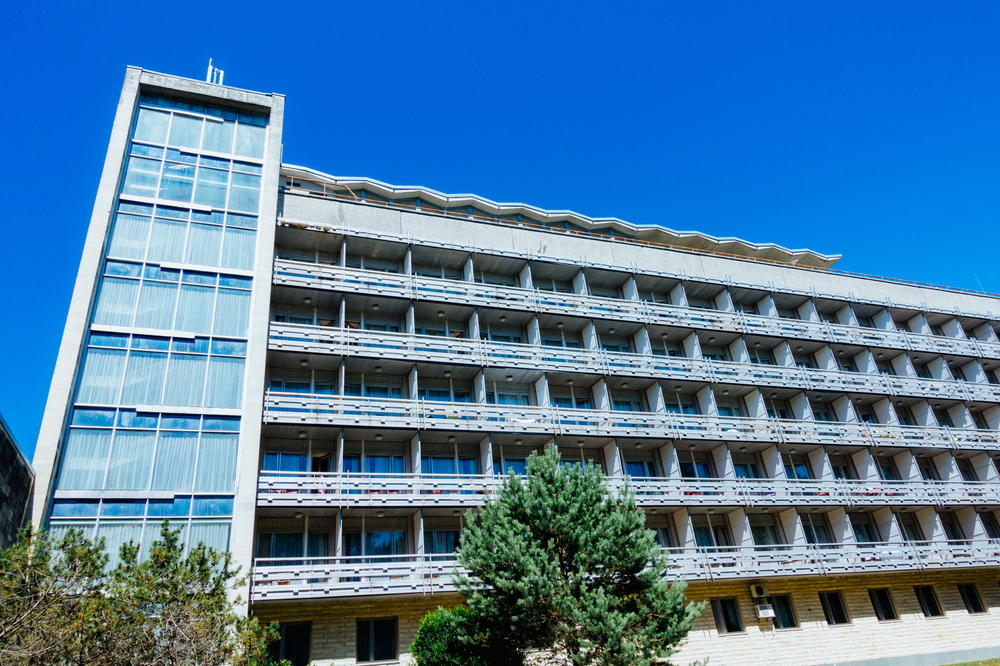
<point>396,285</point>
<point>346,411</point>
<point>320,489</point>
<point>437,349</point>
<point>320,577</point>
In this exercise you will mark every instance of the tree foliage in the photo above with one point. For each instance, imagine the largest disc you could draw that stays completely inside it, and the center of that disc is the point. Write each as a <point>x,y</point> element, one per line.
<point>558,562</point>
<point>60,603</point>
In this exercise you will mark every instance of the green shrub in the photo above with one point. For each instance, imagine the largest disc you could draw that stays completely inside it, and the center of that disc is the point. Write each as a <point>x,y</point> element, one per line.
<point>445,638</point>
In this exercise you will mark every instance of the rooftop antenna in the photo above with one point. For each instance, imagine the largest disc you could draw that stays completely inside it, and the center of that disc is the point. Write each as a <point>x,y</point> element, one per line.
<point>214,75</point>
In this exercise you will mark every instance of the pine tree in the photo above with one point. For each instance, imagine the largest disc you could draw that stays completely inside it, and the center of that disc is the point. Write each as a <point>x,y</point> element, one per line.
<point>556,561</point>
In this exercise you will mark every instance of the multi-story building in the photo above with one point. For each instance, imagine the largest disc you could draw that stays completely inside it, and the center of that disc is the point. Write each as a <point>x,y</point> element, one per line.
<point>323,374</point>
<point>16,480</point>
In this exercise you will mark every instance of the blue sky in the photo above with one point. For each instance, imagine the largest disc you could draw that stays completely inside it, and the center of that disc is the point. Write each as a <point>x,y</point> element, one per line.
<point>868,129</point>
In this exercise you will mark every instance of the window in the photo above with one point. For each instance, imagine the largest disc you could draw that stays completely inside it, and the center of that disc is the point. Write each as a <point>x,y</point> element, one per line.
<point>784,614</point>
<point>970,597</point>
<point>928,601</point>
<point>727,616</point>
<point>833,607</point>
<point>292,643</point>
<point>377,639</point>
<point>882,604</point>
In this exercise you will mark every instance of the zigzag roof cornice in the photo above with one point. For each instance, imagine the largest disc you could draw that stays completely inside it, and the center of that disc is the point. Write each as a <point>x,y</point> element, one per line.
<point>690,240</point>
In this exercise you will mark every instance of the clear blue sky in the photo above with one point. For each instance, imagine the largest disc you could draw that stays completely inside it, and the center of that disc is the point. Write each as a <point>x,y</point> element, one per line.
<point>866,128</point>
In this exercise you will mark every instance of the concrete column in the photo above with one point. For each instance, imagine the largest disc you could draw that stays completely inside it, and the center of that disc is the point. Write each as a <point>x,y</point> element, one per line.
<point>902,366</point>
<point>887,526</point>
<point>865,361</point>
<point>542,394</point>
<point>338,453</point>
<point>986,333</point>
<point>723,462</point>
<point>844,409</point>
<point>524,277</point>
<point>801,408</point>
<point>408,261</point>
<point>534,331</point>
<point>667,455</point>
<point>479,388</point>
<point>766,306</point>
<point>641,342</point>
<point>826,359</point>
<point>984,468</point>
<point>930,525</point>
<point>629,290</point>
<point>415,455</point>
<point>613,459</point>
<point>756,407</point>
<point>654,398</point>
<point>947,467</point>
<point>486,456</point>
<point>590,339</point>
<point>971,525</point>
<point>918,324</point>
<point>939,369</point>
<point>953,329</point>
<point>580,284</point>
<point>865,465</point>
<point>906,465</point>
<point>469,270</point>
<point>413,384</point>
<point>692,347</point>
<point>820,463</point>
<point>774,468</point>
<point>738,351</point>
<point>791,526</point>
<point>417,521</point>
<point>739,525</point>
<point>706,402</point>
<point>885,413</point>
<point>475,332</point>
<point>847,316</point>
<point>783,355</point>
<point>601,395</point>
<point>724,301</point>
<point>411,320</point>
<point>840,524</point>
<point>807,311</point>
<point>883,320</point>
<point>678,296</point>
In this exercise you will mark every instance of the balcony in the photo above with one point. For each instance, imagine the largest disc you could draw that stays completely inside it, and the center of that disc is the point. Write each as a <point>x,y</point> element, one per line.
<point>348,411</point>
<point>326,577</point>
<point>302,338</point>
<point>395,285</point>
<point>317,489</point>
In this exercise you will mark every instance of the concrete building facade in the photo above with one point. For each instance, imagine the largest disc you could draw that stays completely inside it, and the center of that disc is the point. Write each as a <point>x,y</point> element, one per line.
<point>323,374</point>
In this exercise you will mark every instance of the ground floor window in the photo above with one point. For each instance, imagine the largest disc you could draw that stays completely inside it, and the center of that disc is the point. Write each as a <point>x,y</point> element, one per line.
<point>377,639</point>
<point>292,643</point>
<point>970,597</point>
<point>833,607</point>
<point>928,601</point>
<point>727,615</point>
<point>784,614</point>
<point>882,604</point>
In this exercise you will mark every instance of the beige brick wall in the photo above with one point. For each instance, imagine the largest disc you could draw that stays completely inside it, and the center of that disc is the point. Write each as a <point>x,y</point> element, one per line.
<point>813,642</point>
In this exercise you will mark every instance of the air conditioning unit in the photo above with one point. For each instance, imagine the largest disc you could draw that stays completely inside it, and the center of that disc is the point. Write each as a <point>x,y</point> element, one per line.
<point>764,610</point>
<point>757,590</point>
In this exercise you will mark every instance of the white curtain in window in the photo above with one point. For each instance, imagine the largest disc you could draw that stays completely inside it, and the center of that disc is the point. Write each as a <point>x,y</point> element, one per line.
<point>216,463</point>
<point>84,457</point>
<point>185,380</point>
<point>150,533</point>
<point>144,378</point>
<point>213,534</point>
<point>59,528</point>
<point>231,312</point>
<point>116,301</point>
<point>204,241</point>
<point>185,131</point>
<point>218,136</point>
<point>244,192</point>
<point>166,242</point>
<point>156,305</point>
<point>152,125</point>
<point>237,252</point>
<point>128,237</point>
<point>194,309</point>
<point>225,382</point>
<point>175,456</point>
<point>101,376</point>
<point>116,534</point>
<point>249,140</point>
<point>131,457</point>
